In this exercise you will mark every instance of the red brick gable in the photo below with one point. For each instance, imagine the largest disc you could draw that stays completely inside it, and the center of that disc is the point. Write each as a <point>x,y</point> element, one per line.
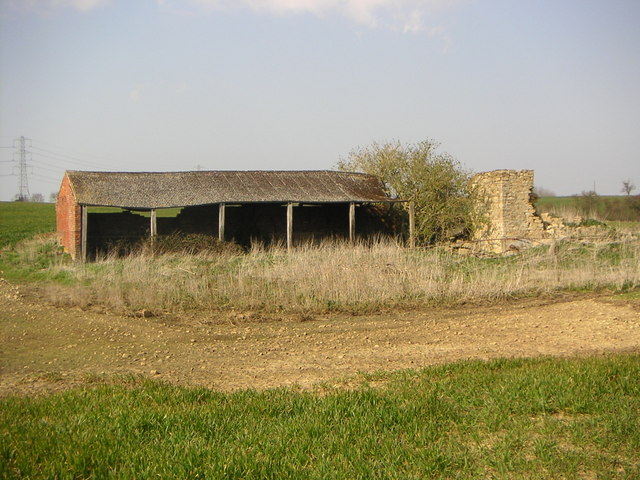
<point>68,219</point>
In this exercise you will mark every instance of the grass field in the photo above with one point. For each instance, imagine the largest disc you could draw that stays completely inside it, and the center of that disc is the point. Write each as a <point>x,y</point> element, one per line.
<point>20,220</point>
<point>571,200</point>
<point>571,418</point>
<point>605,208</point>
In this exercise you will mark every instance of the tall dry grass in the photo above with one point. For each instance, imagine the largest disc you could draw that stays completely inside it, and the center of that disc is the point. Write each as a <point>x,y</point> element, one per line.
<point>340,277</point>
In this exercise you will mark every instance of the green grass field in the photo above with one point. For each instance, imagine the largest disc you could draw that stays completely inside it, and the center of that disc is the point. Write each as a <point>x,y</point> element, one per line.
<point>571,199</point>
<point>562,418</point>
<point>605,208</point>
<point>20,220</point>
<point>162,212</point>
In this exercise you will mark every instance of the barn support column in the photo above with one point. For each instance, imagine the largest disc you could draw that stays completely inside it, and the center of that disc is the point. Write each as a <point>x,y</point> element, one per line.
<point>412,224</point>
<point>352,222</point>
<point>83,232</point>
<point>221,213</point>
<point>154,224</point>
<point>289,226</point>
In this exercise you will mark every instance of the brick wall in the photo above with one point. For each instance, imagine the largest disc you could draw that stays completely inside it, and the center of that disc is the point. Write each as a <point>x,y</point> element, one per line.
<point>68,219</point>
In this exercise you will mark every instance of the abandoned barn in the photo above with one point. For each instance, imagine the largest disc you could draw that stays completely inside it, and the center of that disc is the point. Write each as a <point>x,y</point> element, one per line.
<point>243,206</point>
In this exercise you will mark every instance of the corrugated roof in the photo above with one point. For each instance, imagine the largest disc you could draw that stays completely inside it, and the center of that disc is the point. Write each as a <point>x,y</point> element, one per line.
<point>182,189</point>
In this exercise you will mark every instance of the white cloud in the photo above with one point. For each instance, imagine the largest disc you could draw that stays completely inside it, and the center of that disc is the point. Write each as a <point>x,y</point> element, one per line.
<point>408,16</point>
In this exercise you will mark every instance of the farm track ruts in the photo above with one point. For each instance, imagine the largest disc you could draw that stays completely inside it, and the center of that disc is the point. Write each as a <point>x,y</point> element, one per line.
<point>45,348</point>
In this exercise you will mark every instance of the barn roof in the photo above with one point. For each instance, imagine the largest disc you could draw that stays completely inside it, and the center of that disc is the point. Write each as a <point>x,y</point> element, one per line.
<point>181,189</point>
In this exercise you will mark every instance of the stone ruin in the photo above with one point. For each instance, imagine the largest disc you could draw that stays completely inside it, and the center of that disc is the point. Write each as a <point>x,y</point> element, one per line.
<point>511,217</point>
<point>512,223</point>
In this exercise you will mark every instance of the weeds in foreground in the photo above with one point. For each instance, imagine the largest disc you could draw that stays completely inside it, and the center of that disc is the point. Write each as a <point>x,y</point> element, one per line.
<point>538,419</point>
<point>321,278</point>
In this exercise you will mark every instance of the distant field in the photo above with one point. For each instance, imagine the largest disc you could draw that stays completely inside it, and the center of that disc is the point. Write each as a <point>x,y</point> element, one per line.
<point>548,202</point>
<point>545,202</point>
<point>161,212</point>
<point>604,208</point>
<point>20,220</point>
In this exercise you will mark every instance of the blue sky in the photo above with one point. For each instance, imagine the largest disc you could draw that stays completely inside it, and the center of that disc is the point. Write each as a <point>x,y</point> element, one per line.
<point>155,85</point>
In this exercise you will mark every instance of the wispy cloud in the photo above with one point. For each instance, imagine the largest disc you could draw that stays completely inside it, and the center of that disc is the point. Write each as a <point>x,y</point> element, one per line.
<point>82,5</point>
<point>407,16</point>
<point>44,5</point>
<point>134,94</point>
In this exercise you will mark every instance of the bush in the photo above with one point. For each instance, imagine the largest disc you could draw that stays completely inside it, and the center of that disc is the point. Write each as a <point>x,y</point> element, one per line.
<point>435,182</point>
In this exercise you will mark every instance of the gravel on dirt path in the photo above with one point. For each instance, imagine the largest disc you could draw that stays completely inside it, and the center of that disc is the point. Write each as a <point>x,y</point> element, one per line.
<point>45,348</point>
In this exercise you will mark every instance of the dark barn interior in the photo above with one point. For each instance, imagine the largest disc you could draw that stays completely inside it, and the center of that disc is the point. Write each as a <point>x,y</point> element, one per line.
<point>244,224</point>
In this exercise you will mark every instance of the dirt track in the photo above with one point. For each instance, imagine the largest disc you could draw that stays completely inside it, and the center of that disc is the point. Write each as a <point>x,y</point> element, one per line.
<point>45,348</point>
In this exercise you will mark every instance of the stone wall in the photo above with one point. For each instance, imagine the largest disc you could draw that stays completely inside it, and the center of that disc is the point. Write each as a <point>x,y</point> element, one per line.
<point>512,222</point>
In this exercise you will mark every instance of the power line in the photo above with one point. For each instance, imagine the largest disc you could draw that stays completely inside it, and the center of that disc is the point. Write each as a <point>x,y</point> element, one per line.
<point>50,170</point>
<point>68,157</point>
<point>46,179</point>
<point>23,183</point>
<point>37,160</point>
<point>101,163</point>
<point>72,153</point>
<point>67,160</point>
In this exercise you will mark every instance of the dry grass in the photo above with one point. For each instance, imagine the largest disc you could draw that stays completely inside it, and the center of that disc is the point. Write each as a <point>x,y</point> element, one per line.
<point>339,277</point>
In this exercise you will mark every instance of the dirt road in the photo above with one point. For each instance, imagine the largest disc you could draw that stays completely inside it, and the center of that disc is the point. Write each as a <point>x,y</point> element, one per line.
<point>47,348</point>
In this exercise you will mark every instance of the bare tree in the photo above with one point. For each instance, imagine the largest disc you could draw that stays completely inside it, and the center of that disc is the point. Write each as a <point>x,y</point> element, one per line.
<point>627,187</point>
<point>53,197</point>
<point>37,198</point>
<point>543,192</point>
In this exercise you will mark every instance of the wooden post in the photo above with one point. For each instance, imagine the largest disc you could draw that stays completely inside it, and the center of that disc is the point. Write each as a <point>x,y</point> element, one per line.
<point>154,224</point>
<point>289,226</point>
<point>352,222</point>
<point>221,212</point>
<point>83,232</point>
<point>412,224</point>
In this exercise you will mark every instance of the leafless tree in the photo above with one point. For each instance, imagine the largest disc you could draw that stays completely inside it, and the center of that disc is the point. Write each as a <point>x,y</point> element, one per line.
<point>627,187</point>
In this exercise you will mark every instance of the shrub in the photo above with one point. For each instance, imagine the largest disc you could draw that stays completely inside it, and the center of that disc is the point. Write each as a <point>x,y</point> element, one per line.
<point>435,182</point>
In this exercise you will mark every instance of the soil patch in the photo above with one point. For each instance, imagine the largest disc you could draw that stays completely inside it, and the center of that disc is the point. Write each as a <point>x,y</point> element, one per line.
<point>45,348</point>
